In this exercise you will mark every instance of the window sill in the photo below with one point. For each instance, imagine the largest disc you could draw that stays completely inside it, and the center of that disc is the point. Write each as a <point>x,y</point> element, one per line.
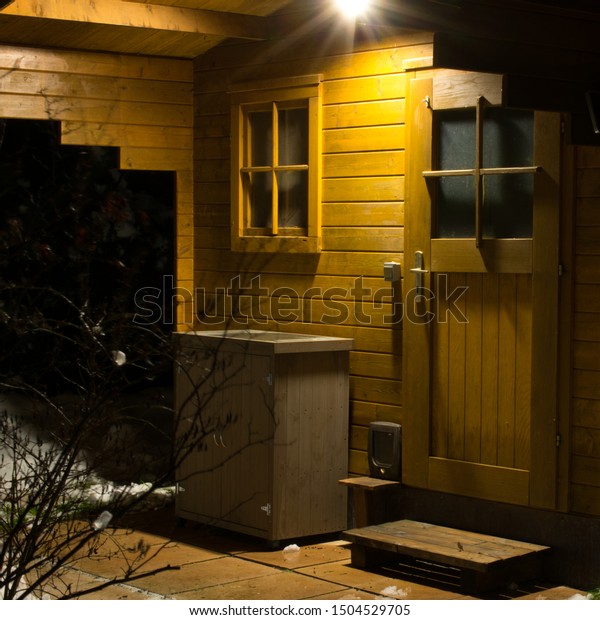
<point>294,245</point>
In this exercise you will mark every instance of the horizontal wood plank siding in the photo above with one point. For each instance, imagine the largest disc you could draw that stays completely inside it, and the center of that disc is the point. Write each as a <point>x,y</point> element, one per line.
<point>585,422</point>
<point>341,290</point>
<point>142,105</point>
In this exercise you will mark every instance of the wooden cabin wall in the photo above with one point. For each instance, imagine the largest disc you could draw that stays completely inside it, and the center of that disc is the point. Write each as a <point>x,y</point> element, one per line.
<point>585,429</point>
<point>140,104</point>
<point>362,209</point>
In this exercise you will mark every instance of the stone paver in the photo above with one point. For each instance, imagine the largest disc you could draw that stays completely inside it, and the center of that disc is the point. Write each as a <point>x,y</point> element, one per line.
<point>113,562</point>
<point>381,585</point>
<point>348,594</point>
<point>306,555</point>
<point>204,574</point>
<point>560,593</point>
<point>278,586</point>
<point>211,564</point>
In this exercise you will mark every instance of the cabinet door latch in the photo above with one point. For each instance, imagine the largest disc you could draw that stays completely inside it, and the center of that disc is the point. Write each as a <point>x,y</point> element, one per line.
<point>266,508</point>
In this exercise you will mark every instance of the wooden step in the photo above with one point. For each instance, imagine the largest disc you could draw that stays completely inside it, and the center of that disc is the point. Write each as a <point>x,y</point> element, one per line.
<point>486,562</point>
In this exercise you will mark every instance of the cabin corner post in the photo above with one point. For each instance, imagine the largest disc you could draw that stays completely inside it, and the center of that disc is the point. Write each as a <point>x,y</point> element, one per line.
<point>566,324</point>
<point>183,293</point>
<point>545,328</point>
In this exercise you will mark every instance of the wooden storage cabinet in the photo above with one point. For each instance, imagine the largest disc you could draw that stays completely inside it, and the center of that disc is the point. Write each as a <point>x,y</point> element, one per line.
<point>271,422</point>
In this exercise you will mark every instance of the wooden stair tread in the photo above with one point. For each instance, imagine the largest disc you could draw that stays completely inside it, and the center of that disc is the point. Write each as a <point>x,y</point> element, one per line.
<point>368,483</point>
<point>445,545</point>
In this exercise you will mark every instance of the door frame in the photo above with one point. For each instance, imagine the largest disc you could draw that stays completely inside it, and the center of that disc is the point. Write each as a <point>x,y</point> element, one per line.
<point>539,486</point>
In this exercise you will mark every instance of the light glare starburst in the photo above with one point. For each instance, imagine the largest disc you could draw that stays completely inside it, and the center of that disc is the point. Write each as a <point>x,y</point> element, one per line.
<point>352,8</point>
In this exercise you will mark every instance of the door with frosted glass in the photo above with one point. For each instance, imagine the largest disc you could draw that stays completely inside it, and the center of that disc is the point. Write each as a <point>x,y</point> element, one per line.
<point>481,288</point>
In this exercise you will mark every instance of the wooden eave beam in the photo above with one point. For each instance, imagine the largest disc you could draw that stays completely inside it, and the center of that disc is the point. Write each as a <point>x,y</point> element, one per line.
<point>579,9</point>
<point>546,94</point>
<point>505,20</point>
<point>452,51</point>
<point>533,78</point>
<point>539,78</point>
<point>144,16</point>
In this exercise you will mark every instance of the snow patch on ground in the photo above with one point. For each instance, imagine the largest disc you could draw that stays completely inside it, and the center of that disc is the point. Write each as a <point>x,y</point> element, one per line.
<point>580,597</point>
<point>291,553</point>
<point>394,592</point>
<point>105,492</point>
<point>31,423</point>
<point>35,449</point>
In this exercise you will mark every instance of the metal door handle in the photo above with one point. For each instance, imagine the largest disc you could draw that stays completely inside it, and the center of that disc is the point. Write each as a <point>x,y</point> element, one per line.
<point>419,271</point>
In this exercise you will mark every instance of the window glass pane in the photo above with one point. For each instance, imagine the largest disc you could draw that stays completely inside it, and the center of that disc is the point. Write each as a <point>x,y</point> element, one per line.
<point>293,199</point>
<point>456,146</point>
<point>293,136</point>
<point>507,138</point>
<point>455,200</point>
<point>455,196</point>
<point>260,190</point>
<point>261,132</point>
<point>508,206</point>
<point>507,199</point>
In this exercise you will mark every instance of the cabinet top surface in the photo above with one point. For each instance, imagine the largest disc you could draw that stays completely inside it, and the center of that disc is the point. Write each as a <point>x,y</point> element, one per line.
<point>278,342</point>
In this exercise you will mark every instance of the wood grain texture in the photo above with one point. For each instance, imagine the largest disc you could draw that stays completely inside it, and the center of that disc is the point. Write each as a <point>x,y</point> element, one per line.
<point>275,439</point>
<point>435,543</point>
<point>141,105</point>
<point>362,201</point>
<point>477,382</point>
<point>585,365</point>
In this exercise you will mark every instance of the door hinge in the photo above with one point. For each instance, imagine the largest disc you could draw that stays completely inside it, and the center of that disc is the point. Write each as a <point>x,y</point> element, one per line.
<point>558,439</point>
<point>269,379</point>
<point>561,269</point>
<point>266,508</point>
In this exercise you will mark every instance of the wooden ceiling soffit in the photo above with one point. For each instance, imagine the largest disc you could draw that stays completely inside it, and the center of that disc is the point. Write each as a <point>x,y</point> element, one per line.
<point>498,20</point>
<point>149,17</point>
<point>555,96</point>
<point>532,78</point>
<point>249,7</point>
<point>495,56</point>
<point>545,94</point>
<point>579,130</point>
<point>536,78</point>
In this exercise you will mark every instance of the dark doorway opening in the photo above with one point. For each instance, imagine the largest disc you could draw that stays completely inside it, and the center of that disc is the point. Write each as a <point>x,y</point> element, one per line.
<point>78,237</point>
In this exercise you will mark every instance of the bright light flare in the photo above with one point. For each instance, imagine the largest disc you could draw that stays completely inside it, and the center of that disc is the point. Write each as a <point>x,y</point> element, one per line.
<point>352,8</point>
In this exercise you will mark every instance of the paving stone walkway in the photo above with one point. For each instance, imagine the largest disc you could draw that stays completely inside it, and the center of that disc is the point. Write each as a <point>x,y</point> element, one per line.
<point>212,564</point>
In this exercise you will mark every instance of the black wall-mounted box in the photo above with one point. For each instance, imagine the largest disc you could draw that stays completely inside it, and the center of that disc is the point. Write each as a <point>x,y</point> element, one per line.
<point>385,450</point>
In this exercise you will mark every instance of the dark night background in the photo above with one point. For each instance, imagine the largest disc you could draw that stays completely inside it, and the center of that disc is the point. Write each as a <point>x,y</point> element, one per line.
<point>78,236</point>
